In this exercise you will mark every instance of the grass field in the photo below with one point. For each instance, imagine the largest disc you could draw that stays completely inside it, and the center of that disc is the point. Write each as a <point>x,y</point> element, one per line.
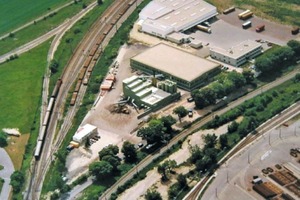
<point>41,27</point>
<point>284,11</point>
<point>14,13</point>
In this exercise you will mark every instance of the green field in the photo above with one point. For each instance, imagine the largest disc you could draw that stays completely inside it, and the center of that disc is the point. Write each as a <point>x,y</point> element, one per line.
<point>14,13</point>
<point>21,83</point>
<point>41,27</point>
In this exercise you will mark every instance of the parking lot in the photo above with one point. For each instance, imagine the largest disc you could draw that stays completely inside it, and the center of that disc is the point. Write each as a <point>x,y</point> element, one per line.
<point>227,31</point>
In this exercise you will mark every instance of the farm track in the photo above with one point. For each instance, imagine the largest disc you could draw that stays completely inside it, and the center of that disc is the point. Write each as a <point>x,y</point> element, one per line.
<point>81,54</point>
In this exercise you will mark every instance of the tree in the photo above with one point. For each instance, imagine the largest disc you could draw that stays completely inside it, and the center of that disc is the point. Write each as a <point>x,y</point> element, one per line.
<point>155,132</point>
<point>54,66</point>
<point>204,97</point>
<point>182,180</point>
<point>100,2</point>
<point>180,112</point>
<point>115,161</point>
<point>232,127</point>
<point>165,168</point>
<point>152,195</point>
<point>297,78</point>
<point>248,75</point>
<point>112,150</point>
<point>237,79</point>
<point>129,152</point>
<point>223,141</point>
<point>295,45</point>
<point>210,140</point>
<point>17,180</point>
<point>3,139</point>
<point>101,169</point>
<point>168,121</point>
<point>196,154</point>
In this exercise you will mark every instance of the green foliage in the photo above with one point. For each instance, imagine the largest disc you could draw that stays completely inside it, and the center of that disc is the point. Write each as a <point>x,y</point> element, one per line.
<point>115,161</point>
<point>3,140</point>
<point>54,66</point>
<point>17,181</point>
<point>276,59</point>
<point>168,121</point>
<point>210,140</point>
<point>295,45</point>
<point>232,127</point>
<point>181,179</point>
<point>155,132</point>
<point>100,2</point>
<point>223,140</point>
<point>111,150</point>
<point>101,170</point>
<point>165,168</point>
<point>129,152</point>
<point>152,195</point>
<point>173,191</point>
<point>297,78</point>
<point>180,111</point>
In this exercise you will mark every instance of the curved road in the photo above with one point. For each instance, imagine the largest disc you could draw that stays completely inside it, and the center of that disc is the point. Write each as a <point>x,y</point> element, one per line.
<point>5,173</point>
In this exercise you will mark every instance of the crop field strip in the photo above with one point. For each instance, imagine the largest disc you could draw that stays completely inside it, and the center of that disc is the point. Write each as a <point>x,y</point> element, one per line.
<point>14,13</point>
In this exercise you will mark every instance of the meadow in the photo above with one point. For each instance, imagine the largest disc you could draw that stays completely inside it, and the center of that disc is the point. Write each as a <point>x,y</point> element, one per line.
<point>14,13</point>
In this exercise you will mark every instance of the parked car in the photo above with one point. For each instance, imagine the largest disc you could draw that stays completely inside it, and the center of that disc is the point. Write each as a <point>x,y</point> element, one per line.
<point>190,99</point>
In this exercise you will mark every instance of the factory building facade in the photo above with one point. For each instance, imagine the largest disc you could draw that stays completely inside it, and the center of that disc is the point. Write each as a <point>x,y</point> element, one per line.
<point>237,55</point>
<point>187,70</point>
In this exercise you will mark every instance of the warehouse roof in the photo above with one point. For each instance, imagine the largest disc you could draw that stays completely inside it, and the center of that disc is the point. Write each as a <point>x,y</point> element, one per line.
<point>177,13</point>
<point>83,131</point>
<point>175,62</point>
<point>238,50</point>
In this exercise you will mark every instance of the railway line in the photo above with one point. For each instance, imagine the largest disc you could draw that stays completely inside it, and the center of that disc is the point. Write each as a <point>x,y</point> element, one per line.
<point>83,60</point>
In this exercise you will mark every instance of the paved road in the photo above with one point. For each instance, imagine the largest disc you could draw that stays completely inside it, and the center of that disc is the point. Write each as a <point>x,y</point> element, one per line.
<point>37,19</point>
<point>45,37</point>
<point>5,173</point>
<point>233,179</point>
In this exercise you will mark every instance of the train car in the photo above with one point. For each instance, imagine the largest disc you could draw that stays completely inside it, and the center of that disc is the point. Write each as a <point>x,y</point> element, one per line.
<point>82,73</point>
<point>123,10</point>
<point>38,149</point>
<point>86,79</point>
<point>107,29</point>
<point>73,99</point>
<point>56,88</point>
<point>77,86</point>
<point>50,104</point>
<point>100,39</point>
<point>42,133</point>
<point>87,61</point>
<point>90,69</point>
<point>93,51</point>
<point>46,118</point>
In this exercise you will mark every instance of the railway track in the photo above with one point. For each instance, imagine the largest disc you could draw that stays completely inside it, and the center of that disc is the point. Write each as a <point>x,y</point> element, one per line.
<point>101,27</point>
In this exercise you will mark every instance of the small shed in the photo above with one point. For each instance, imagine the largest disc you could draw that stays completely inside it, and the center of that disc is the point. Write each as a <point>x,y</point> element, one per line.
<point>84,132</point>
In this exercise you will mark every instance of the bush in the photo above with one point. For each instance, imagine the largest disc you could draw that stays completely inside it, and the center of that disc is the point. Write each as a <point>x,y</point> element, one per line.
<point>3,139</point>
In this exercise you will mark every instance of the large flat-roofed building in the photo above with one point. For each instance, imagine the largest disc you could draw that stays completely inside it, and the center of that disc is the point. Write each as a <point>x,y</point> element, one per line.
<point>237,55</point>
<point>187,70</point>
<point>162,17</point>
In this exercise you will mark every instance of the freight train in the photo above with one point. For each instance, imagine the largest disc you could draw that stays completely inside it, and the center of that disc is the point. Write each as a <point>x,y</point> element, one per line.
<point>45,124</point>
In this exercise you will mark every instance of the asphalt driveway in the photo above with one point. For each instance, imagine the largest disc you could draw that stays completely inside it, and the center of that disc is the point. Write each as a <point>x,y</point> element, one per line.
<point>5,173</point>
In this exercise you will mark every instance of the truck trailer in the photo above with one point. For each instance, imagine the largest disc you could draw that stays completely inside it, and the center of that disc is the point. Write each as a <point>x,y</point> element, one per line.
<point>260,28</point>
<point>204,28</point>
<point>245,15</point>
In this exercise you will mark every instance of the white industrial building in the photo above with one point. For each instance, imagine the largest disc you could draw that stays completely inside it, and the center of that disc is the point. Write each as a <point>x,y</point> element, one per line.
<point>237,55</point>
<point>162,17</point>
<point>84,132</point>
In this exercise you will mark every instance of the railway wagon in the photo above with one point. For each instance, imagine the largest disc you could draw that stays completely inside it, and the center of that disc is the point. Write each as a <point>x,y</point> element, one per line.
<point>114,21</point>
<point>77,87</point>
<point>56,88</point>
<point>73,99</point>
<point>82,72</point>
<point>86,79</point>
<point>87,61</point>
<point>124,9</point>
<point>51,103</point>
<point>93,51</point>
<point>46,118</point>
<point>38,149</point>
<point>90,69</point>
<point>42,133</point>
<point>107,29</point>
<point>100,39</point>
<point>131,2</point>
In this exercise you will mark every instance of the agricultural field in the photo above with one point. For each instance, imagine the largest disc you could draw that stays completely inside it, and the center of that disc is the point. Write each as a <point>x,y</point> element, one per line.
<point>21,84</point>
<point>284,11</point>
<point>14,13</point>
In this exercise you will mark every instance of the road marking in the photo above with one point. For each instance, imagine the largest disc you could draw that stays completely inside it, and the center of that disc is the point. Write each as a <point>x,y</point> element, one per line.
<point>265,155</point>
